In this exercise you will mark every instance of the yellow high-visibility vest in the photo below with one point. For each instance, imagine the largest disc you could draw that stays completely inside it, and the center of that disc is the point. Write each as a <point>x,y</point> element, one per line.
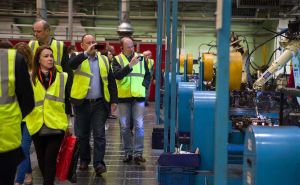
<point>56,46</point>
<point>150,63</point>
<point>49,105</point>
<point>82,78</point>
<point>10,112</point>
<point>132,84</point>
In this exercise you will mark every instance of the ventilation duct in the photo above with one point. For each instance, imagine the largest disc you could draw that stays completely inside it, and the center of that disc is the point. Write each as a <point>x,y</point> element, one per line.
<point>41,11</point>
<point>125,29</point>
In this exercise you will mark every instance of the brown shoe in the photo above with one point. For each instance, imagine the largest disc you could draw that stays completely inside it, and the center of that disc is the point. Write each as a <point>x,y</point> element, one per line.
<point>83,166</point>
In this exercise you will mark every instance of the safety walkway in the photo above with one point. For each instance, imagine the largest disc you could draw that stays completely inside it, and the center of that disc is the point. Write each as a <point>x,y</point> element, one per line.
<point>118,173</point>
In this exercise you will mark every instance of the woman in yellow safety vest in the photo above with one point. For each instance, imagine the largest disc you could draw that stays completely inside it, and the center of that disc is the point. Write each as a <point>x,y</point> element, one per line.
<point>48,121</point>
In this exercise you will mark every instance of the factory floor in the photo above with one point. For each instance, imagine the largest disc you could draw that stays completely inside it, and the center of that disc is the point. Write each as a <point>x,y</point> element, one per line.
<point>117,173</point>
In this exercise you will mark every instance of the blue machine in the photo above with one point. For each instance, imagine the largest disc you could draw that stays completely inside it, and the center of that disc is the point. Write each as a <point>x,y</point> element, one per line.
<point>202,127</point>
<point>184,97</point>
<point>272,156</point>
<point>202,137</point>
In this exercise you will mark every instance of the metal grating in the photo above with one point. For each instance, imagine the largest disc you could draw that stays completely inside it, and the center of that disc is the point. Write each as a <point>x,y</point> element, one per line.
<point>245,12</point>
<point>258,3</point>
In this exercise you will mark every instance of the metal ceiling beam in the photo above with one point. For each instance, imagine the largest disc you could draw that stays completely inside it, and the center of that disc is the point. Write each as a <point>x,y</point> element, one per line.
<point>180,18</point>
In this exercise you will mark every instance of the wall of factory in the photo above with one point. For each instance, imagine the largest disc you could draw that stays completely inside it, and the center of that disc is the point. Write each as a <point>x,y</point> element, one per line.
<point>253,33</point>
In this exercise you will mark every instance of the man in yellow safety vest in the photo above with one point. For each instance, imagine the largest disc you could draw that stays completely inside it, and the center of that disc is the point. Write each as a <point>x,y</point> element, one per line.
<point>132,77</point>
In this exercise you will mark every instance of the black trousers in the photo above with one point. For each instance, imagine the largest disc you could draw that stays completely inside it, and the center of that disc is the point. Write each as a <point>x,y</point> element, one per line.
<point>9,162</point>
<point>47,148</point>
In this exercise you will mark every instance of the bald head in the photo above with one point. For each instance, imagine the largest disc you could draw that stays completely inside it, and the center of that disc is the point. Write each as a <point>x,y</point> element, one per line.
<point>127,46</point>
<point>41,31</point>
<point>147,54</point>
<point>86,41</point>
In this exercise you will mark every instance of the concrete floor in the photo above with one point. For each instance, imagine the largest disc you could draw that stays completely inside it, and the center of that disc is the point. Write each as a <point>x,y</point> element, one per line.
<point>118,173</point>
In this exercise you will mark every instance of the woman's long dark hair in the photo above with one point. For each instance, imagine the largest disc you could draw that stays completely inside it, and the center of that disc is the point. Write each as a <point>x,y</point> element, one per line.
<point>36,63</point>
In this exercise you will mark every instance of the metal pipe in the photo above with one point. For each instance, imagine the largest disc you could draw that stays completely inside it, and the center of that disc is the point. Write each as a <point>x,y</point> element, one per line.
<point>222,91</point>
<point>201,75</point>
<point>158,58</point>
<point>291,91</point>
<point>125,7</point>
<point>120,11</point>
<point>164,21</point>
<point>183,30</point>
<point>70,22</point>
<point>125,28</point>
<point>173,75</point>
<point>41,11</point>
<point>166,79</point>
<point>185,77</point>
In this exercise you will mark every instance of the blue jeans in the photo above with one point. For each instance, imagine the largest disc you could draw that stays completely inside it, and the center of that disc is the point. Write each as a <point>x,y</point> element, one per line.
<point>136,110</point>
<point>91,117</point>
<point>25,165</point>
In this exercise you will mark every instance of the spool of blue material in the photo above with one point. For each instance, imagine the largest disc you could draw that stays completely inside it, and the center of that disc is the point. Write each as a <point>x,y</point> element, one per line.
<point>202,126</point>
<point>185,92</point>
<point>272,156</point>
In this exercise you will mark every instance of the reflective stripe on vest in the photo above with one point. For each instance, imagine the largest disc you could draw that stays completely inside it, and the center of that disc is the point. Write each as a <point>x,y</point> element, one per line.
<point>82,78</point>
<point>4,67</point>
<point>49,106</point>
<point>10,113</point>
<point>131,85</point>
<point>56,46</point>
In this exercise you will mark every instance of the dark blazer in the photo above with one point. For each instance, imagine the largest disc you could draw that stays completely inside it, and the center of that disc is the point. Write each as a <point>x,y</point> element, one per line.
<point>112,87</point>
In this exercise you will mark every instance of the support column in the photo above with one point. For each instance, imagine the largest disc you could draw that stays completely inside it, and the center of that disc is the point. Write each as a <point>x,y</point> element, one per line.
<point>222,91</point>
<point>158,58</point>
<point>173,75</point>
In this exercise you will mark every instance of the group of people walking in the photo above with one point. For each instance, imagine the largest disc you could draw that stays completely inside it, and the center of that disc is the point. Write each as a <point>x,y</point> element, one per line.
<point>41,87</point>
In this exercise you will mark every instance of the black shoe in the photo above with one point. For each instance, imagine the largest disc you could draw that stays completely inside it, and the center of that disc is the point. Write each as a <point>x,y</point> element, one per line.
<point>127,158</point>
<point>100,169</point>
<point>146,104</point>
<point>83,166</point>
<point>139,159</point>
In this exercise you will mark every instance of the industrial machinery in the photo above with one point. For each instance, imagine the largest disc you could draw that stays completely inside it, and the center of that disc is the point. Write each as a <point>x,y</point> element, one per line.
<point>253,112</point>
<point>271,154</point>
<point>249,108</point>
